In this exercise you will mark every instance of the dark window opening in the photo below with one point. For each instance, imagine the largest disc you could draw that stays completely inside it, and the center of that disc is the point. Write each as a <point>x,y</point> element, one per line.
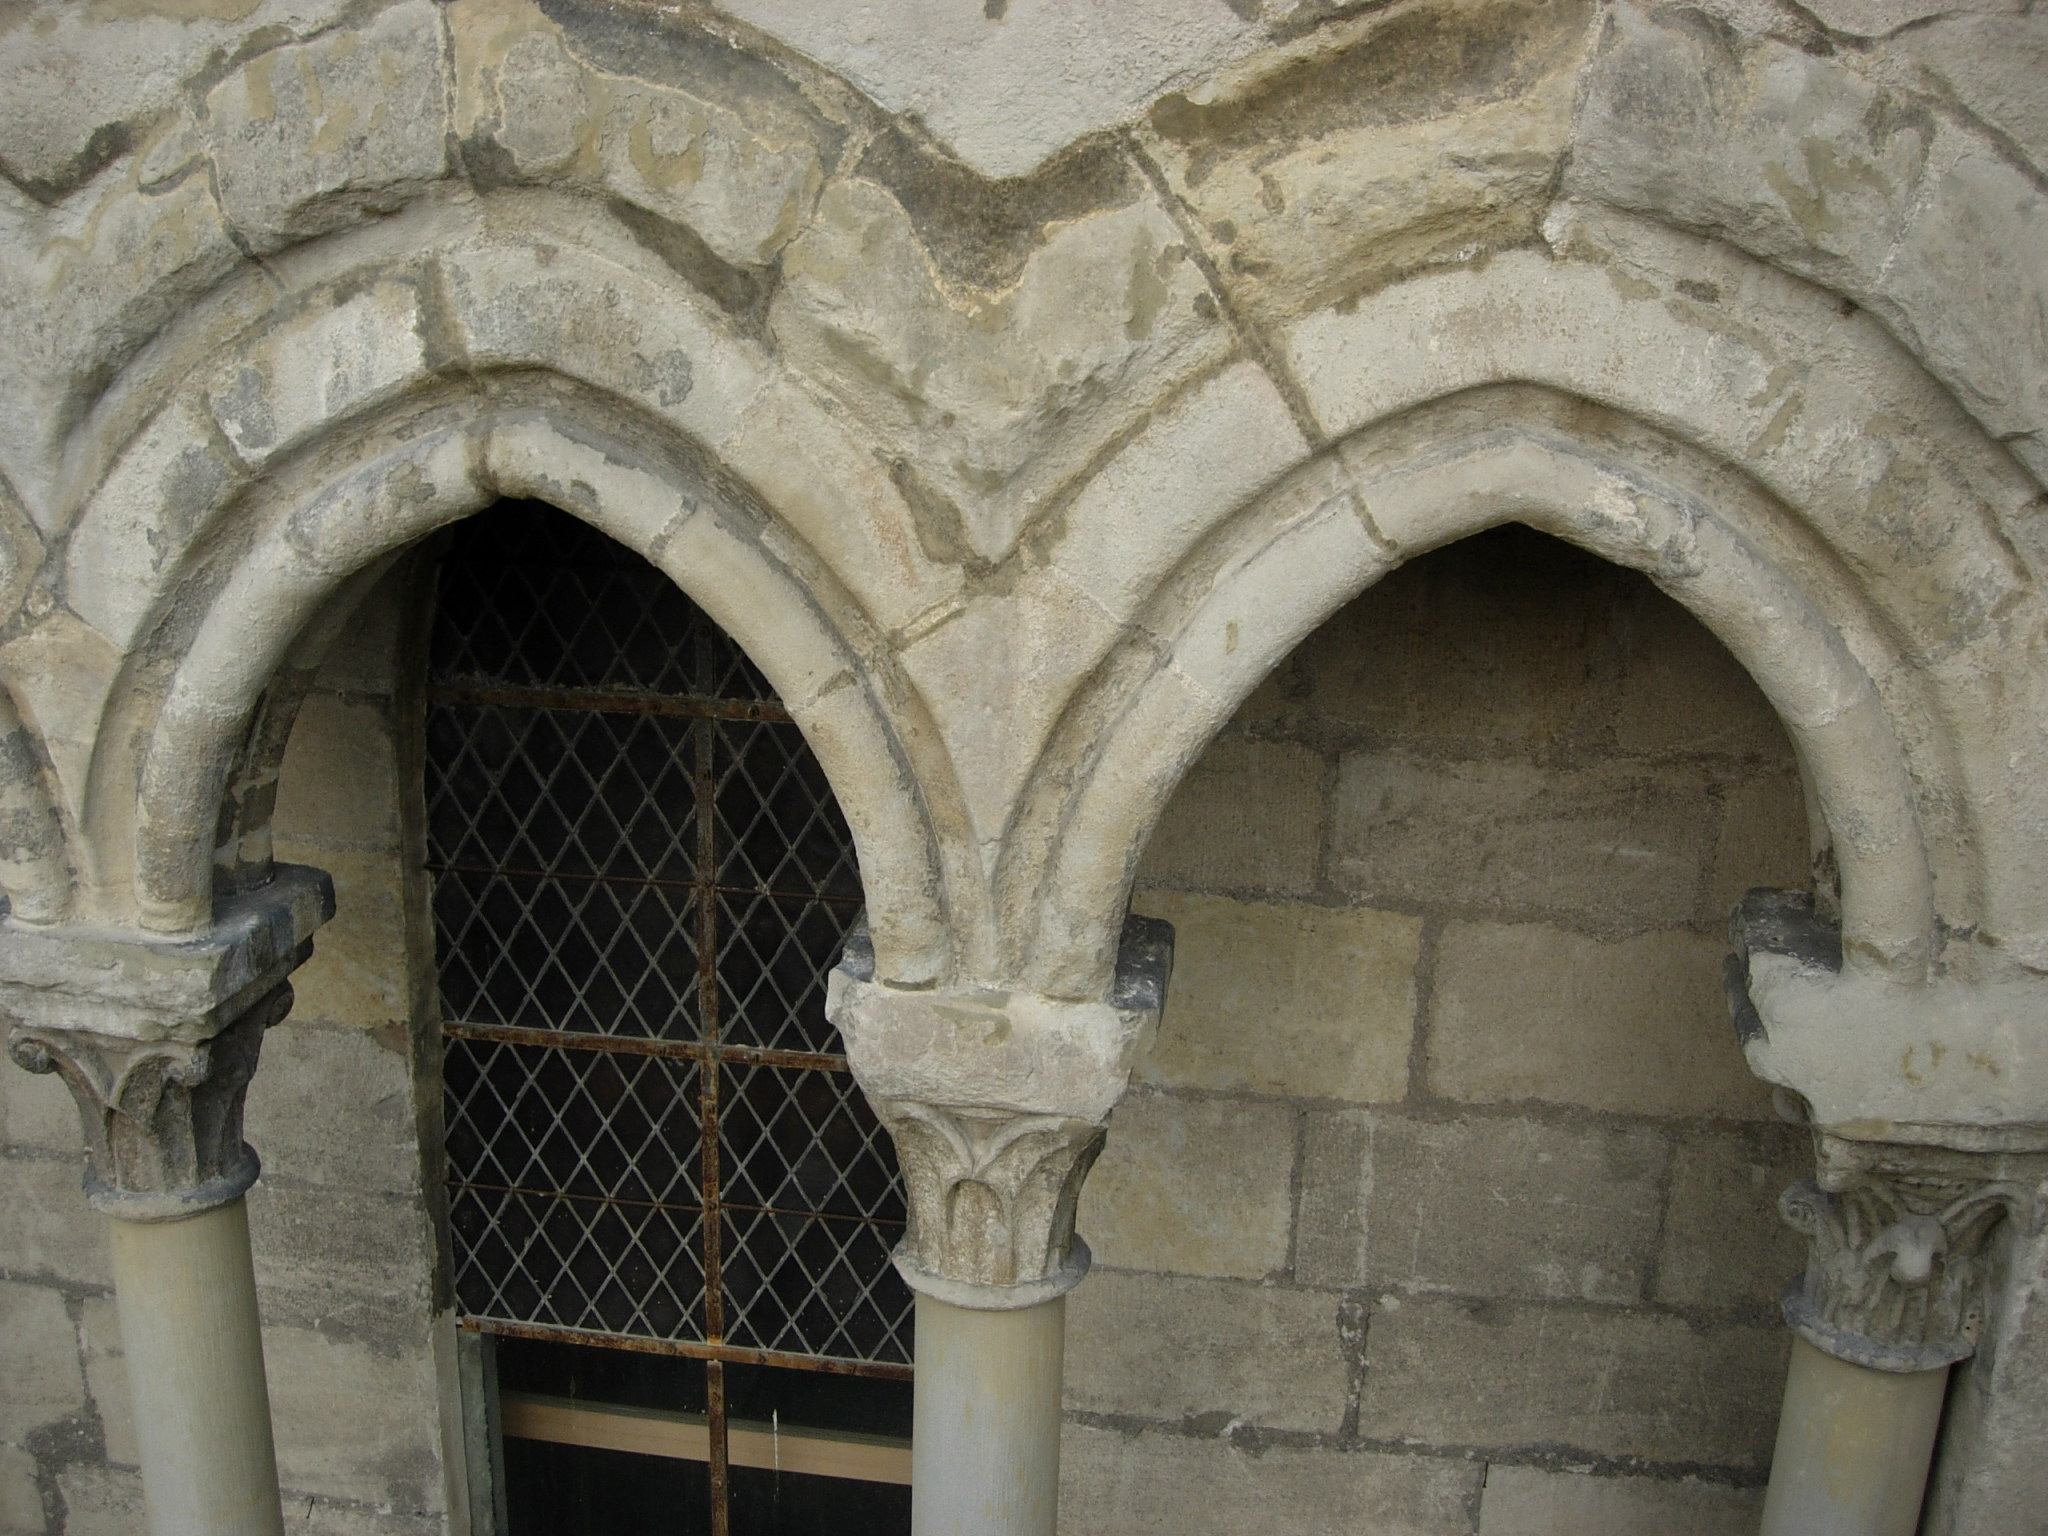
<point>670,1207</point>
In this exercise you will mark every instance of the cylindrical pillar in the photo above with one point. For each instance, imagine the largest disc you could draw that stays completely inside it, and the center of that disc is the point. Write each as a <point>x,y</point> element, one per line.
<point>1854,1445</point>
<point>186,1290</point>
<point>985,1460</point>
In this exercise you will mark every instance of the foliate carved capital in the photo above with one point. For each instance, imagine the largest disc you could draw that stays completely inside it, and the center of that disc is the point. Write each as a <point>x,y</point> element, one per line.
<point>997,1102</point>
<point>162,1118</point>
<point>1902,1248</point>
<point>157,1038</point>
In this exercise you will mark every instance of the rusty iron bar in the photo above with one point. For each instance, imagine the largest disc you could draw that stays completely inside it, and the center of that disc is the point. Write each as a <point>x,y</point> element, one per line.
<point>734,1354</point>
<point>611,701</point>
<point>706,776</point>
<point>667,1205</point>
<point>709,887</point>
<point>645,1045</point>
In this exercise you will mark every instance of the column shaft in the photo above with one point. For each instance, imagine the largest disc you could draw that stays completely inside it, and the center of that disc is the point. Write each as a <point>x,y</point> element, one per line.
<point>186,1290</point>
<point>1854,1446</point>
<point>986,1458</point>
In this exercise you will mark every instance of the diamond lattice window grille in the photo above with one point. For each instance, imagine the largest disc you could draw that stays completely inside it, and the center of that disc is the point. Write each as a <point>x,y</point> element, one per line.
<point>640,880</point>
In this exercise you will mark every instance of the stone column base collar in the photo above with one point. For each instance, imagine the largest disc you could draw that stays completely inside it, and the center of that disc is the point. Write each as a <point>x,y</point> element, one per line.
<point>977,1297</point>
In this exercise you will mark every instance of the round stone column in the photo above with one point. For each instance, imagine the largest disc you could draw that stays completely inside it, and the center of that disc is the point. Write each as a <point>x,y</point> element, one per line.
<point>1899,1257</point>
<point>997,1102</point>
<point>157,1040</point>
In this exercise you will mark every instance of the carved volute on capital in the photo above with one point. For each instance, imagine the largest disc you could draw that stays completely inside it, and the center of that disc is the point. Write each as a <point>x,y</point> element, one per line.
<point>998,1103</point>
<point>162,1118</point>
<point>1902,1248</point>
<point>157,1039</point>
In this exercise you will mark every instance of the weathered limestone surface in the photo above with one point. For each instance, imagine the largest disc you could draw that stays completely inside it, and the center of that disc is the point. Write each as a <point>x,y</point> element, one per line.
<point>1033,387</point>
<point>1522,1501</point>
<point>1560,1195</point>
<point>1110,1482</point>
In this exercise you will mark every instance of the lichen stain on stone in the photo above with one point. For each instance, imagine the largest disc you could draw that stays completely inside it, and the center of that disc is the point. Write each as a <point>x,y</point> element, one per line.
<point>980,233</point>
<point>1148,292</point>
<point>176,10</point>
<point>1420,63</point>
<point>1828,176</point>
<point>664,169</point>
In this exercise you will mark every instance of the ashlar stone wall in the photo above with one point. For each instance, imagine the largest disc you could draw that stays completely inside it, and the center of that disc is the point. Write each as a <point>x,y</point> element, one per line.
<point>357,1343</point>
<point>1445,1203</point>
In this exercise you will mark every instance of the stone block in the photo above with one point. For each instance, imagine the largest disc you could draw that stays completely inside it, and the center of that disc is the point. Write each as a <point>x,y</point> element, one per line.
<point>1340,164</point>
<point>1764,841</point>
<point>106,1377</point>
<point>1608,845</point>
<point>1306,1002</point>
<point>353,1422</point>
<point>332,1105</point>
<point>1996,65</point>
<point>46,1228</point>
<point>42,1382</point>
<point>37,1113</point>
<point>355,1266</point>
<point>170,480</point>
<point>1201,457</point>
<point>995,676</point>
<point>1008,86</point>
<point>1161,1347</point>
<point>1336,1190</point>
<point>328,362</point>
<point>315,136</point>
<point>1762,143</point>
<point>1475,649</point>
<point>1682,692</point>
<point>1725,1246</point>
<point>1527,1501</point>
<point>101,1501</point>
<point>1193,1187</point>
<point>366,656</point>
<point>21,1497</point>
<point>1638,1025</point>
<point>1960,306</point>
<point>1512,1208</point>
<point>313,1515</point>
<point>360,974</point>
<point>1153,1484</point>
<point>1597,1382</point>
<point>996,404</point>
<point>338,785</point>
<point>1248,817</point>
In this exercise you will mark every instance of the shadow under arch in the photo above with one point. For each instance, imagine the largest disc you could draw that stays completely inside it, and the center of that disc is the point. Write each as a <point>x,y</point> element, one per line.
<point>375,488</point>
<point>1244,597</point>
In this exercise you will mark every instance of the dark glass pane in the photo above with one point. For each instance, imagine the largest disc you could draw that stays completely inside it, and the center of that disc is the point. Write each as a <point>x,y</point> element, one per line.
<point>566,1490</point>
<point>774,954</point>
<point>599,956</point>
<point>867,1405</point>
<point>766,1503</point>
<point>815,1285</point>
<point>805,1142</point>
<point>568,1263</point>
<point>531,597</point>
<point>596,1124</point>
<point>779,827</point>
<point>629,1378</point>
<point>561,791</point>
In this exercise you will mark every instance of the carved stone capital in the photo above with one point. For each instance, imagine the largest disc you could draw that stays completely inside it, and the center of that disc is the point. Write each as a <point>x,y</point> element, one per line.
<point>162,1118</point>
<point>1902,1248</point>
<point>997,1102</point>
<point>157,1039</point>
